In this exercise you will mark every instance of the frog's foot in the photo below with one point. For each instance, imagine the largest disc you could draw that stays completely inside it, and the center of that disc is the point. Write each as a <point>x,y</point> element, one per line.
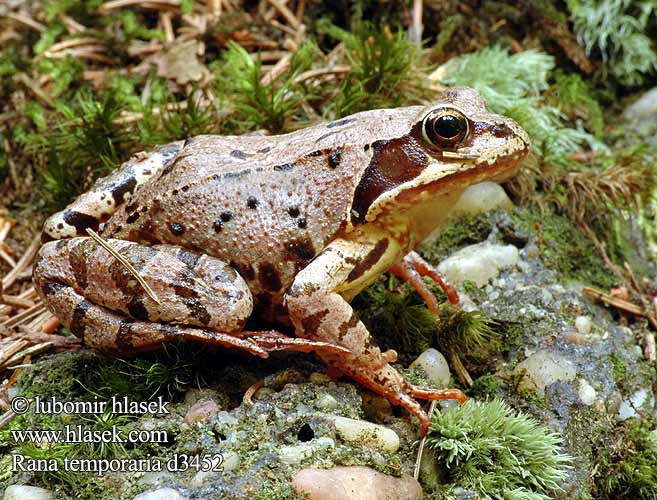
<point>273,340</point>
<point>412,268</point>
<point>389,383</point>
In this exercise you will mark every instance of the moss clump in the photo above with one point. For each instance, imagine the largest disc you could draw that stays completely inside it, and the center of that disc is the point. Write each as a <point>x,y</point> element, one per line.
<point>630,470</point>
<point>465,230</point>
<point>500,454</point>
<point>565,248</point>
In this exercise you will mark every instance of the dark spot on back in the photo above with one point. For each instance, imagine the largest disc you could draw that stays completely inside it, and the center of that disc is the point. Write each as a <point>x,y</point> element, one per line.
<point>334,158</point>
<point>269,277</point>
<point>367,147</point>
<point>239,154</point>
<point>285,167</point>
<point>266,149</point>
<point>301,248</point>
<point>369,260</point>
<point>252,202</point>
<point>176,228</point>
<point>302,223</point>
<point>236,175</point>
<point>245,270</point>
<point>78,262</point>
<point>226,216</point>
<point>327,135</point>
<point>293,211</point>
<point>315,153</point>
<point>218,226</point>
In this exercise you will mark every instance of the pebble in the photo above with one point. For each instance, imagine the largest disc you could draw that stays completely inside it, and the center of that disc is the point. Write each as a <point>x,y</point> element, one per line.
<point>201,410</point>
<point>230,461</point>
<point>23,492</point>
<point>355,483</point>
<point>326,402</point>
<point>161,494</point>
<point>478,263</point>
<point>583,324</point>
<point>434,364</point>
<point>483,197</point>
<point>587,394</point>
<point>542,369</point>
<point>365,433</point>
<point>297,453</point>
<point>641,399</point>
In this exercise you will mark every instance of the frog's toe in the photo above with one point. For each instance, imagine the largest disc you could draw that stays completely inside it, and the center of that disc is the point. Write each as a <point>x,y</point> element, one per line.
<point>437,394</point>
<point>276,341</point>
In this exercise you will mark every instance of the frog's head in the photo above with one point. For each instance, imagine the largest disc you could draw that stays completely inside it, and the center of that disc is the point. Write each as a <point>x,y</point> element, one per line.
<point>449,145</point>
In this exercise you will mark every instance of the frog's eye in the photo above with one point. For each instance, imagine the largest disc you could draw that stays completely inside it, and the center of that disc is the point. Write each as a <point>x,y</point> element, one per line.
<point>445,127</point>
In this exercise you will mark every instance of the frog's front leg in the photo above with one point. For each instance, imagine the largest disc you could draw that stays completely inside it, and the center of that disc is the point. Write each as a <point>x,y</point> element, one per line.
<point>95,206</point>
<point>318,307</point>
<point>412,268</point>
<point>199,298</point>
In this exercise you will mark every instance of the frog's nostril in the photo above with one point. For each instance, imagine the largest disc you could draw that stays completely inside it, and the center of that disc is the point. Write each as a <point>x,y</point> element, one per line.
<point>502,130</point>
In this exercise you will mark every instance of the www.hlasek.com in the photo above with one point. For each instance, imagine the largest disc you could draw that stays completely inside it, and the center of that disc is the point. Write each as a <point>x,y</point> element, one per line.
<point>83,434</point>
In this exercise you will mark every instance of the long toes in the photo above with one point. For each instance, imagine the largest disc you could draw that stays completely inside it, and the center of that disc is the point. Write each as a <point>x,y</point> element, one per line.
<point>299,345</point>
<point>414,408</point>
<point>437,394</point>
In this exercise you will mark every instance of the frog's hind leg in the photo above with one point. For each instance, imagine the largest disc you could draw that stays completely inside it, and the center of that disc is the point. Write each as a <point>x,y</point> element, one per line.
<point>95,206</point>
<point>273,340</point>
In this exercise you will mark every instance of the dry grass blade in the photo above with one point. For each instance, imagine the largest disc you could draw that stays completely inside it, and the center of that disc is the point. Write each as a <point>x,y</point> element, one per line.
<point>24,316</point>
<point>22,263</point>
<point>153,5</point>
<point>124,261</point>
<point>420,450</point>
<point>613,301</point>
<point>30,351</point>
<point>286,13</point>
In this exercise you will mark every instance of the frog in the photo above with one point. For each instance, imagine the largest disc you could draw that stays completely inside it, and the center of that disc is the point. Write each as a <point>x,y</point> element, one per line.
<point>288,228</point>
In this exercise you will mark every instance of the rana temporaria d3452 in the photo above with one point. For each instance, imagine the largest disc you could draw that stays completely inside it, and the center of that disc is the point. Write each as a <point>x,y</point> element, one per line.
<point>291,227</point>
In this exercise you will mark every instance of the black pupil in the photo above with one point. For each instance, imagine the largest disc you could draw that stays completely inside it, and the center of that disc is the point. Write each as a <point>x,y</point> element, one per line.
<point>448,126</point>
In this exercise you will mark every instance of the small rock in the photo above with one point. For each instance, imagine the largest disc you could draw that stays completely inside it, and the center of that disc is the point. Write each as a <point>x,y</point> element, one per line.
<point>202,476</point>
<point>355,483</point>
<point>365,433</point>
<point>643,107</point>
<point>583,324</point>
<point>478,263</point>
<point>296,454</point>
<point>586,392</point>
<point>640,399</point>
<point>201,410</point>
<point>542,369</point>
<point>482,197</point>
<point>434,364</point>
<point>161,494</point>
<point>326,403</point>
<point>23,492</point>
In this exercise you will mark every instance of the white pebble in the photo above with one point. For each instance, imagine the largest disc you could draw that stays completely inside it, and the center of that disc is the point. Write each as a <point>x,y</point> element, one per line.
<point>355,483</point>
<point>295,454</point>
<point>482,197</point>
<point>478,263</point>
<point>583,324</point>
<point>161,494</point>
<point>586,392</point>
<point>326,402</point>
<point>434,364</point>
<point>641,399</point>
<point>544,368</point>
<point>365,433</point>
<point>23,492</point>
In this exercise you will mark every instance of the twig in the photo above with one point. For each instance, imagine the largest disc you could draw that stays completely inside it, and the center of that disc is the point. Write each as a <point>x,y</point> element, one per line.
<point>460,370</point>
<point>22,263</point>
<point>286,13</point>
<point>613,301</point>
<point>650,349</point>
<point>420,451</point>
<point>314,73</point>
<point>24,316</point>
<point>27,21</point>
<point>150,4</point>
<point>415,33</point>
<point>125,262</point>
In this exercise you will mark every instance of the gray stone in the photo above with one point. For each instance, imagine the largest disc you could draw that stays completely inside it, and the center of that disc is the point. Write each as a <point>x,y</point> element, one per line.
<point>24,492</point>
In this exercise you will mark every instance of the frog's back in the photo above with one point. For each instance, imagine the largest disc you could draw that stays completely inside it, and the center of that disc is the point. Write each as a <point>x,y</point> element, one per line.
<point>267,205</point>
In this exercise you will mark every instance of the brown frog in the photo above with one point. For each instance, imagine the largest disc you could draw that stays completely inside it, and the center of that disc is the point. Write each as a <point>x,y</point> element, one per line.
<point>291,227</point>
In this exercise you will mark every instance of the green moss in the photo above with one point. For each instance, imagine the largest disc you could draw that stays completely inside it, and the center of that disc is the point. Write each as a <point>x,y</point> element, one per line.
<point>277,489</point>
<point>489,448</point>
<point>565,248</point>
<point>487,386</point>
<point>464,230</point>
